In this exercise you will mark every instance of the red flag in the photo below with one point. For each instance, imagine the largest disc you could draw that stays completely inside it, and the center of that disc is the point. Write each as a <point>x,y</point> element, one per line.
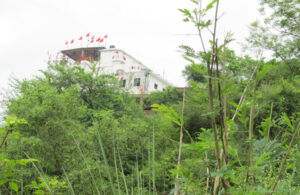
<point>87,35</point>
<point>105,36</point>
<point>80,38</point>
<point>92,41</point>
<point>66,43</point>
<point>93,37</point>
<point>98,40</point>
<point>72,41</point>
<point>101,40</point>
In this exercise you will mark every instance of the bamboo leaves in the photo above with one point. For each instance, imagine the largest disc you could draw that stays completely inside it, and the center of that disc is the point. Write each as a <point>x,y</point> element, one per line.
<point>169,113</point>
<point>210,5</point>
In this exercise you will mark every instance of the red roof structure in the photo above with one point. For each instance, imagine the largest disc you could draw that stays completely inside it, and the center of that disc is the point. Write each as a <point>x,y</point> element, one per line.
<point>89,53</point>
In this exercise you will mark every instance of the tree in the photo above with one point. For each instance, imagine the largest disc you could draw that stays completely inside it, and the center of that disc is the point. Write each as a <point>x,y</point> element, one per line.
<point>53,119</point>
<point>195,72</point>
<point>168,97</point>
<point>281,29</point>
<point>82,126</point>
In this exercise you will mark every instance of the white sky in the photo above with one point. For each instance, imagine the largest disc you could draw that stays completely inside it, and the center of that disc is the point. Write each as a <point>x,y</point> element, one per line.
<point>151,31</point>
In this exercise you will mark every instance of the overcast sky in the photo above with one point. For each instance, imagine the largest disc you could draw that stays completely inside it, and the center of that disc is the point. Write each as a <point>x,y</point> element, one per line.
<point>151,31</point>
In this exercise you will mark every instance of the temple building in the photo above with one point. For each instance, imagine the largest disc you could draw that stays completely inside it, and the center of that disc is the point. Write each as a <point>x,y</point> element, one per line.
<point>133,75</point>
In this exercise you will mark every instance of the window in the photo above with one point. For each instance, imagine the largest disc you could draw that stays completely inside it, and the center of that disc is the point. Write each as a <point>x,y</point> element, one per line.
<point>123,83</point>
<point>137,82</point>
<point>155,86</point>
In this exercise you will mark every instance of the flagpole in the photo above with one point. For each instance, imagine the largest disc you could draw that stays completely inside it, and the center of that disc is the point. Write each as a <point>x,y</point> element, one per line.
<point>88,39</point>
<point>105,37</point>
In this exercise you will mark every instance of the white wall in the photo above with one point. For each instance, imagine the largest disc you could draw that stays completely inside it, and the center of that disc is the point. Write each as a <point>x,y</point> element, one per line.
<point>112,60</point>
<point>161,85</point>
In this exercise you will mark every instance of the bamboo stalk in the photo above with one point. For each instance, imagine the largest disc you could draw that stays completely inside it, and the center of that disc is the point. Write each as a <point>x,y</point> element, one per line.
<point>116,168</point>
<point>87,165</point>
<point>137,174</point>
<point>40,174</point>
<point>210,67</point>
<point>209,64</point>
<point>251,139</point>
<point>210,92</point>
<point>211,104</point>
<point>208,174</point>
<point>105,162</point>
<point>153,162</point>
<point>243,97</point>
<point>68,182</point>
<point>122,170</point>
<point>180,144</point>
<point>4,141</point>
<point>198,18</point>
<point>269,129</point>
<point>216,184</point>
<point>221,113</point>
<point>224,96</point>
<point>149,164</point>
<point>285,158</point>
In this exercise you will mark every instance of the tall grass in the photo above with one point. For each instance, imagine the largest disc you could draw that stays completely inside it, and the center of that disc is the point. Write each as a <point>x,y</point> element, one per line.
<point>87,165</point>
<point>40,174</point>
<point>106,163</point>
<point>153,161</point>
<point>116,167</point>
<point>122,171</point>
<point>68,182</point>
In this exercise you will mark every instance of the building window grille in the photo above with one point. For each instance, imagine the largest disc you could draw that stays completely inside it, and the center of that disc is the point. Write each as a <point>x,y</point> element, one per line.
<point>137,82</point>
<point>155,86</point>
<point>123,83</point>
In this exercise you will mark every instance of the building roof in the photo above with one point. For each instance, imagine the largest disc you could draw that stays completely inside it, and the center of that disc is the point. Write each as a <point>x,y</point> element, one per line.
<point>88,53</point>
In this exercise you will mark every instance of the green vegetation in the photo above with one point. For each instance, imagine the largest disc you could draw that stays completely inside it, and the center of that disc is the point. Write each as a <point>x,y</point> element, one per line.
<point>234,130</point>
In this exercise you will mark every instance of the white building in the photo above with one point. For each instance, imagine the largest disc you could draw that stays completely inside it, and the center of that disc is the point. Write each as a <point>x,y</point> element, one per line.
<point>133,75</point>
